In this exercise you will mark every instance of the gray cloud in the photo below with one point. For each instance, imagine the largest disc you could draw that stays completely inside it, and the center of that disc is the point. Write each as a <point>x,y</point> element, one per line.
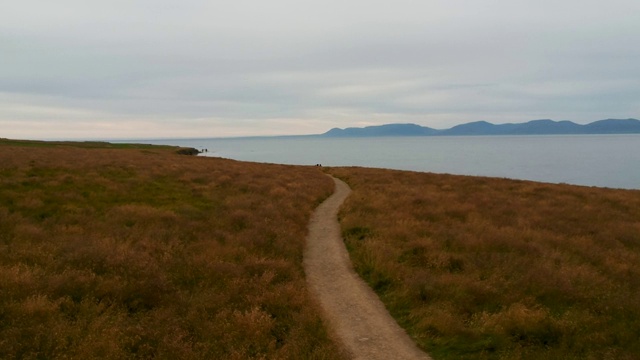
<point>200,68</point>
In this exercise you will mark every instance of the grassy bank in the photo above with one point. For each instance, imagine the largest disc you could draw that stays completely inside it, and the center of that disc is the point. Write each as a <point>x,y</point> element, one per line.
<point>481,268</point>
<point>128,252</point>
<point>78,144</point>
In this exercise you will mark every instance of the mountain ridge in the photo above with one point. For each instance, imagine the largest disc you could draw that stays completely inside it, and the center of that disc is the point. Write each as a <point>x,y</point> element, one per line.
<point>533,127</point>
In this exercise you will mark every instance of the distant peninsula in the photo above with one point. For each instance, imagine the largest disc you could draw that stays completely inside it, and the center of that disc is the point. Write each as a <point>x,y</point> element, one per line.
<point>534,127</point>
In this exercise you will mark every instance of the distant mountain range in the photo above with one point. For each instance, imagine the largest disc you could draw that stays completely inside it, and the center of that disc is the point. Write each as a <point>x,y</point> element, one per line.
<point>534,127</point>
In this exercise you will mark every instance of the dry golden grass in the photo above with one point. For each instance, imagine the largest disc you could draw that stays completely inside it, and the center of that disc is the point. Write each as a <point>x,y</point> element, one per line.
<point>482,268</point>
<point>142,253</point>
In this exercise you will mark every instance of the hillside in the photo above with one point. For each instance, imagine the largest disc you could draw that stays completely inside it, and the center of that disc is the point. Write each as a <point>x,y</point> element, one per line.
<point>486,268</point>
<point>382,130</point>
<point>136,252</point>
<point>534,127</point>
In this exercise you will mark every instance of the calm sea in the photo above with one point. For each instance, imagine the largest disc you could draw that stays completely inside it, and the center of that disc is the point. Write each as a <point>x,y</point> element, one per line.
<point>593,160</point>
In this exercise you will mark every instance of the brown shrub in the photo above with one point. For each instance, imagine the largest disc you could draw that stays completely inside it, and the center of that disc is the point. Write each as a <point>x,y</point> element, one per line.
<point>129,253</point>
<point>481,268</point>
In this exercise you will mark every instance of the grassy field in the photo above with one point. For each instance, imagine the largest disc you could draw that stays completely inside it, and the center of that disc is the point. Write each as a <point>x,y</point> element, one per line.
<point>482,268</point>
<point>78,144</point>
<point>118,251</point>
<point>124,251</point>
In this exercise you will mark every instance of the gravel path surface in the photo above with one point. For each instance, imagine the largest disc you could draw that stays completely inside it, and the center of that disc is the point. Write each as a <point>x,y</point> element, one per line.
<point>355,314</point>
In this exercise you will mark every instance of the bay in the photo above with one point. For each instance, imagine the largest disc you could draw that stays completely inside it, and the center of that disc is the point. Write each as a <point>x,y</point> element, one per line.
<point>592,160</point>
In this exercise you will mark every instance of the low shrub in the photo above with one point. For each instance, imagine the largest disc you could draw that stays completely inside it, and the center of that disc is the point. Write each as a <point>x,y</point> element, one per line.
<point>483,268</point>
<point>128,252</point>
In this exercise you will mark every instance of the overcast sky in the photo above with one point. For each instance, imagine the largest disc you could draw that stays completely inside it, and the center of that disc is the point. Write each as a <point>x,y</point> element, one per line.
<point>83,69</point>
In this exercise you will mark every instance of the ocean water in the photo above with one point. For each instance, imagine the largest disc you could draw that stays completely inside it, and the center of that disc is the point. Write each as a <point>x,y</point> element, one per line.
<point>591,160</point>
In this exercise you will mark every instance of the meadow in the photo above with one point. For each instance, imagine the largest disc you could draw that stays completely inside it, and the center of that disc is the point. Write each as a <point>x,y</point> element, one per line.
<point>120,251</point>
<point>488,268</point>
<point>136,252</point>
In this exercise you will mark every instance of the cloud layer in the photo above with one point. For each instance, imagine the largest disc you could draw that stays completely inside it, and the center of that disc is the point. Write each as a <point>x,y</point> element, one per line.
<point>122,69</point>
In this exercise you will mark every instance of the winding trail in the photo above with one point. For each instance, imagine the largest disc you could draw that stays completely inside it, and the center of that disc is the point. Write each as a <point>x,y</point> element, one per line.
<point>356,315</point>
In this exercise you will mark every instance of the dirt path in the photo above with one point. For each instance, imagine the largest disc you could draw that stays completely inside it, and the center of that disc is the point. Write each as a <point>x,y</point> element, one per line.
<point>356,315</point>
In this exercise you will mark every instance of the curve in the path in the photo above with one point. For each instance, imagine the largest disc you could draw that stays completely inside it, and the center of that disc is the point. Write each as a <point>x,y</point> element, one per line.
<point>356,315</point>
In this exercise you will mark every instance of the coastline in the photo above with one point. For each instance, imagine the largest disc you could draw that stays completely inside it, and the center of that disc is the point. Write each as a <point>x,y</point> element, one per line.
<point>609,161</point>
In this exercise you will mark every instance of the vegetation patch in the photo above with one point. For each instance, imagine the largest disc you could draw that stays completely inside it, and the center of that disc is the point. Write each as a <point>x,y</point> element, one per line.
<point>483,268</point>
<point>116,252</point>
